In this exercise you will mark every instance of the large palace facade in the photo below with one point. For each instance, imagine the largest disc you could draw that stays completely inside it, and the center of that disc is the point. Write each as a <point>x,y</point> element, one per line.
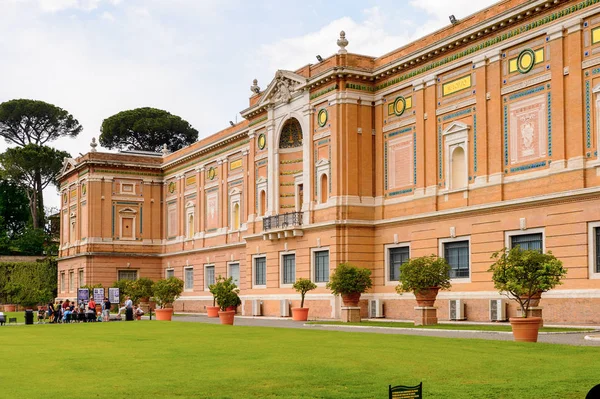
<point>480,136</point>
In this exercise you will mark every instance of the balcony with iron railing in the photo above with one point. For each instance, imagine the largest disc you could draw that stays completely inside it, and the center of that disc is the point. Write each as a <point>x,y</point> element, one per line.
<point>283,225</point>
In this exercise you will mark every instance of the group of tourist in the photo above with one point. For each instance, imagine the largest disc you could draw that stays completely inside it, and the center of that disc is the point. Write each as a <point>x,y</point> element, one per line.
<point>68,311</point>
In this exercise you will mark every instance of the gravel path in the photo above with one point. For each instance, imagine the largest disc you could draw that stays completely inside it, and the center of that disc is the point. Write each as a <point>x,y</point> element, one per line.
<point>551,338</point>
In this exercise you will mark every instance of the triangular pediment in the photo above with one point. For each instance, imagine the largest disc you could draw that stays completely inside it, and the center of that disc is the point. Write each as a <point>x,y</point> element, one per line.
<point>322,162</point>
<point>456,127</point>
<point>283,87</point>
<point>68,164</point>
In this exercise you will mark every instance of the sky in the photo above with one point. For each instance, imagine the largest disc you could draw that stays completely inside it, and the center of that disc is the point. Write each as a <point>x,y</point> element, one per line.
<point>193,58</point>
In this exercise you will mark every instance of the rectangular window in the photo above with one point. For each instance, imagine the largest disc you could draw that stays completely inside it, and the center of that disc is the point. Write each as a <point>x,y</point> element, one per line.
<point>189,278</point>
<point>234,273</point>
<point>62,282</point>
<point>260,271</point>
<point>127,275</point>
<point>209,276</point>
<point>597,231</point>
<point>527,241</point>
<point>170,273</point>
<point>321,266</point>
<point>397,256</point>
<point>81,282</point>
<point>71,281</point>
<point>457,255</point>
<point>289,269</point>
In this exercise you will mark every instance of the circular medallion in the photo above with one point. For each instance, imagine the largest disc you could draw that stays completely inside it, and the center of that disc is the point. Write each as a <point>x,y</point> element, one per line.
<point>172,187</point>
<point>525,60</point>
<point>212,173</point>
<point>322,117</point>
<point>399,106</point>
<point>262,141</point>
<point>83,189</point>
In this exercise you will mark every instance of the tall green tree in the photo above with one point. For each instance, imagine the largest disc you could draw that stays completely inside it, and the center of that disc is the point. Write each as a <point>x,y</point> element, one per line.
<point>146,129</point>
<point>33,168</point>
<point>14,212</point>
<point>30,122</point>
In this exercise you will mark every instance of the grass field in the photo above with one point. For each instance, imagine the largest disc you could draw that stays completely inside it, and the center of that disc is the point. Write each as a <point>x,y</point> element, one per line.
<point>471,327</point>
<point>175,360</point>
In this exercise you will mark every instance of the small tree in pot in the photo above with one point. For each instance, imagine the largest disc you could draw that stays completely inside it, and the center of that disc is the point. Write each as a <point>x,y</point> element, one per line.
<point>522,276</point>
<point>226,295</point>
<point>350,282</point>
<point>424,276</point>
<point>302,285</point>
<point>141,289</point>
<point>165,293</point>
<point>213,311</point>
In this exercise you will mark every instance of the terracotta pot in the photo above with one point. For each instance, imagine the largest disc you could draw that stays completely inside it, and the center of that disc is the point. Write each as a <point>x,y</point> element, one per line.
<point>212,311</point>
<point>230,308</point>
<point>10,308</point>
<point>426,298</point>
<point>164,314</point>
<point>525,329</point>
<point>227,316</point>
<point>535,299</point>
<point>300,314</point>
<point>351,299</point>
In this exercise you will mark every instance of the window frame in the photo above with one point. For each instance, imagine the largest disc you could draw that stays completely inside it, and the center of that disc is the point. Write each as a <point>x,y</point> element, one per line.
<point>71,280</point>
<point>313,265</point>
<point>235,262</point>
<point>442,253</point>
<point>206,267</point>
<point>185,279</point>
<point>281,266</point>
<point>387,260</point>
<point>254,257</point>
<point>170,269</point>
<point>128,270</point>
<point>62,281</point>
<point>511,233</point>
<point>81,277</point>
<point>593,250</point>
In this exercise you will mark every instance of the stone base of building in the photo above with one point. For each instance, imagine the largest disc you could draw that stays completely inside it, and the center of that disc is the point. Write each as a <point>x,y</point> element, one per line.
<point>534,311</point>
<point>351,314</point>
<point>425,316</point>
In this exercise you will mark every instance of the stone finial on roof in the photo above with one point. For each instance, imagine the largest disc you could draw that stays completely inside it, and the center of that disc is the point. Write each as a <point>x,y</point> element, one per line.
<point>165,151</point>
<point>342,42</point>
<point>93,145</point>
<point>255,88</point>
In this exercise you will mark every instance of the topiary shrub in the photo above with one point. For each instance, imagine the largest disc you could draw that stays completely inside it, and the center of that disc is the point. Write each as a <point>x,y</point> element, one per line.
<point>165,292</point>
<point>303,285</point>
<point>349,279</point>
<point>420,274</point>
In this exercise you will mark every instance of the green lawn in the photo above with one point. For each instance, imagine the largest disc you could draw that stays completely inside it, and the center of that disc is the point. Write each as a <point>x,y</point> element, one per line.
<point>150,359</point>
<point>472,327</point>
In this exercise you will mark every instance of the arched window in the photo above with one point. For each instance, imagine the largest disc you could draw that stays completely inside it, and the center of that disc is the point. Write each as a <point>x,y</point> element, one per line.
<point>324,189</point>
<point>263,203</point>
<point>458,169</point>
<point>291,134</point>
<point>236,216</point>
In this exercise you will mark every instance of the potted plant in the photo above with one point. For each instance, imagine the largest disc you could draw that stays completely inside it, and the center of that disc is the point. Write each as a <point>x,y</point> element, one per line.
<point>521,276</point>
<point>141,289</point>
<point>350,282</point>
<point>165,293</point>
<point>424,276</point>
<point>213,311</point>
<point>302,285</point>
<point>226,295</point>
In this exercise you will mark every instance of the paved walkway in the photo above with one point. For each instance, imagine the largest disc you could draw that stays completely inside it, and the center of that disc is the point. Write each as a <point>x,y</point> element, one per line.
<point>551,338</point>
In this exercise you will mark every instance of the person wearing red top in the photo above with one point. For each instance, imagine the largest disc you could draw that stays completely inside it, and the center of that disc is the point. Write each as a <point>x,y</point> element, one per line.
<point>65,304</point>
<point>92,305</point>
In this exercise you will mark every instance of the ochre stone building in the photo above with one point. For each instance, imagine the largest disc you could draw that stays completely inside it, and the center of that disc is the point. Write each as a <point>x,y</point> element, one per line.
<point>480,136</point>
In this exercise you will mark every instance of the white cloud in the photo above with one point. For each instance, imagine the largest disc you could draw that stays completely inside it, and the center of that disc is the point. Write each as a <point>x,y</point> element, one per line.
<point>108,16</point>
<point>61,5</point>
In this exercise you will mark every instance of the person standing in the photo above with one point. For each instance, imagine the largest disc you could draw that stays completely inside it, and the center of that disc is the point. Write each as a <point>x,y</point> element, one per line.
<point>128,305</point>
<point>50,312</point>
<point>106,309</point>
<point>92,305</point>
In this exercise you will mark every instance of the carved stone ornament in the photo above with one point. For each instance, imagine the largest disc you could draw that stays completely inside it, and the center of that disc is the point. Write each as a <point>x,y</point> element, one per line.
<point>255,88</point>
<point>93,145</point>
<point>342,42</point>
<point>283,90</point>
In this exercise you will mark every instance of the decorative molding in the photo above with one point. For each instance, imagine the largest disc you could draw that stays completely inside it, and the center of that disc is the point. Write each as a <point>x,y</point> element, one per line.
<point>526,83</point>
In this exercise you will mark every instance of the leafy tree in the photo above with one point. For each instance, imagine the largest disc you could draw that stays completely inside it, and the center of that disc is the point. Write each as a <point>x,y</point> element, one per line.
<point>146,129</point>
<point>31,242</point>
<point>14,212</point>
<point>31,122</point>
<point>33,168</point>
<point>25,122</point>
